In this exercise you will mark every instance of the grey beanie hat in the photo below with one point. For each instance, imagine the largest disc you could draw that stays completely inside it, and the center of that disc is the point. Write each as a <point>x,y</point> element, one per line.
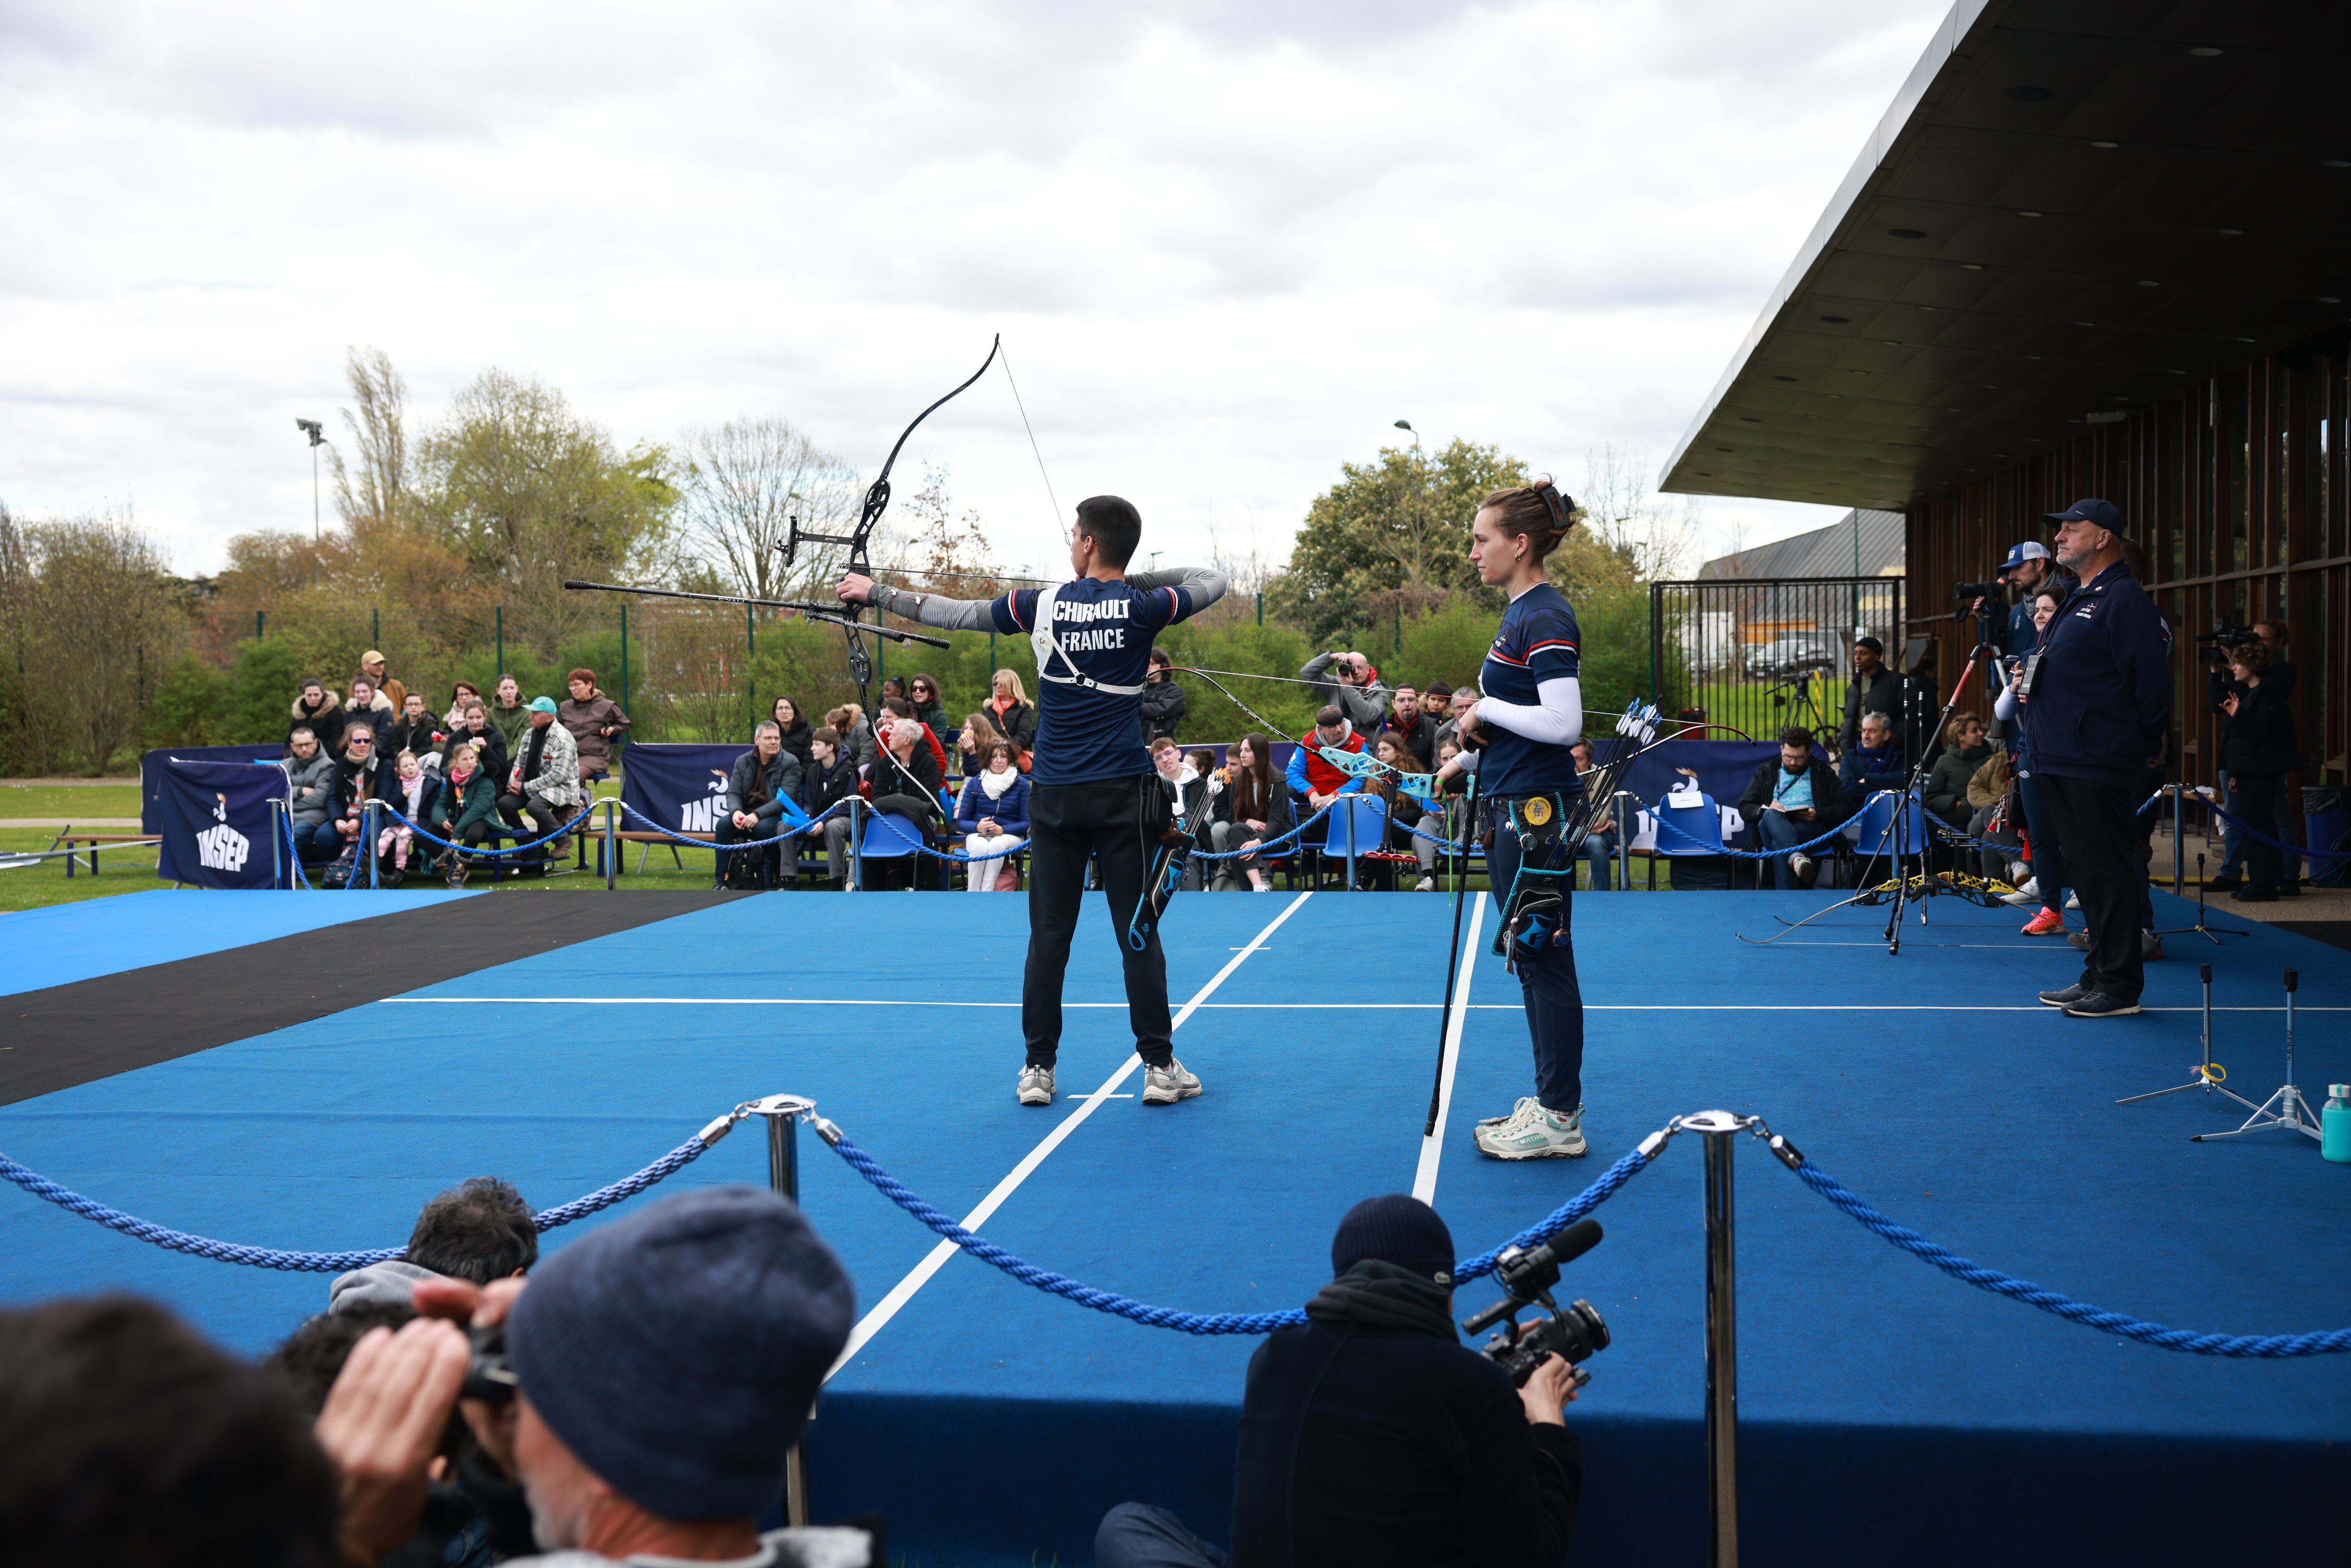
<point>678,1351</point>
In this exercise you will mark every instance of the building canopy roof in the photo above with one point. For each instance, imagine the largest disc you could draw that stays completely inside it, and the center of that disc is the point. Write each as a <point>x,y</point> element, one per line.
<point>2074,206</point>
<point>1875,538</point>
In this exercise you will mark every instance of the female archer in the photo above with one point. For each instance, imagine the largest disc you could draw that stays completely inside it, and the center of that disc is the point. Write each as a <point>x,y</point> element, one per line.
<point>1516,741</point>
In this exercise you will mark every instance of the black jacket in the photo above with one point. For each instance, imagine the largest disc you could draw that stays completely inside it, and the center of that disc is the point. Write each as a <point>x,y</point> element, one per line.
<point>1828,796</point>
<point>821,788</point>
<point>890,776</point>
<point>1163,708</point>
<point>2259,737</point>
<point>489,751</point>
<point>1276,813</point>
<point>795,740</point>
<point>1018,723</point>
<point>2101,704</point>
<point>1882,693</point>
<point>1371,1439</point>
<point>782,782</point>
<point>1419,736</point>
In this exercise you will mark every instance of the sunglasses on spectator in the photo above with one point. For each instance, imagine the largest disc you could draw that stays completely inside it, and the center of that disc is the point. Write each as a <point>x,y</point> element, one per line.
<point>362,741</point>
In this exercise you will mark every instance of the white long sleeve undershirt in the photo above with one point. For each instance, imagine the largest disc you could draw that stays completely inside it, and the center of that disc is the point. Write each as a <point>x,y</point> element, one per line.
<point>1558,721</point>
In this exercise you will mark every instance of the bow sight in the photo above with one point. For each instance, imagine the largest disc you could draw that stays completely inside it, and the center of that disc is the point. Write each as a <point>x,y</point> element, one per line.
<point>1574,1332</point>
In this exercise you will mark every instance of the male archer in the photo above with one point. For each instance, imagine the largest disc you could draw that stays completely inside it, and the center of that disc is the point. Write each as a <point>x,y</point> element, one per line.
<point>1091,789</point>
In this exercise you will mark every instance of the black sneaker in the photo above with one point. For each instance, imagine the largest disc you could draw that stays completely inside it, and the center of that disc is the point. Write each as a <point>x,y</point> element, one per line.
<point>2080,939</point>
<point>2224,883</point>
<point>2289,890</point>
<point>2254,895</point>
<point>2068,997</point>
<point>2099,1005</point>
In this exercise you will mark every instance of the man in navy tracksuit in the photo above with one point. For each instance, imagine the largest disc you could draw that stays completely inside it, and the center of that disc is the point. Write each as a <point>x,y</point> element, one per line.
<point>2101,713</point>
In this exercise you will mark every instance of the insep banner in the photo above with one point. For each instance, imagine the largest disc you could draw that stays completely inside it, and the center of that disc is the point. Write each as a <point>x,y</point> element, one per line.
<point>683,787</point>
<point>153,765</point>
<point>215,823</point>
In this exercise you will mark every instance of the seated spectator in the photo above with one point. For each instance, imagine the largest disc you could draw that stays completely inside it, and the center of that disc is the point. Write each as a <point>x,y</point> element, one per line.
<point>311,796</point>
<point>992,814</point>
<point>761,781</point>
<point>480,1231</point>
<point>1405,813</point>
<point>463,810</point>
<point>1253,809</point>
<point>906,778</point>
<point>130,1439</point>
<point>794,728</point>
<point>1371,1435</point>
<point>1461,702</point>
<point>830,778</point>
<point>462,692</point>
<point>509,715</point>
<point>977,737</point>
<point>1600,844</point>
<point>1162,699</point>
<point>1313,778</point>
<point>490,753</point>
<point>665,1366</point>
<point>1965,750</point>
<point>848,721</point>
<point>1014,715</point>
<point>1435,705</point>
<point>596,725</point>
<point>1793,800</point>
<point>900,707</point>
<point>355,785</point>
<point>1187,795</point>
<point>320,712</point>
<point>1992,808</point>
<point>390,696</point>
<point>544,780</point>
<point>1876,764</point>
<point>922,692</point>
<point>412,796</point>
<point>365,701</point>
<point>1409,724</point>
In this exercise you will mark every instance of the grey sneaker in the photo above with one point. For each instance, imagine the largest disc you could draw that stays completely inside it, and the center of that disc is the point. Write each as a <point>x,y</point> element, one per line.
<point>2067,998</point>
<point>2100,1005</point>
<point>1531,1133</point>
<point>1036,1086</point>
<point>1165,1085</point>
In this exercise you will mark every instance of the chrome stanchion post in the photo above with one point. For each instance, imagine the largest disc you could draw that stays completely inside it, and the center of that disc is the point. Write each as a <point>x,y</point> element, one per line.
<point>1623,842</point>
<point>278,844</point>
<point>783,1112</point>
<point>367,843</point>
<point>1348,812</point>
<point>856,845</point>
<point>611,842</point>
<point>1722,1339</point>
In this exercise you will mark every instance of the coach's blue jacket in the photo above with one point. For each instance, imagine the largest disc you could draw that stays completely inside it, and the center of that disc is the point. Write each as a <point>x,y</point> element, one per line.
<point>2101,705</point>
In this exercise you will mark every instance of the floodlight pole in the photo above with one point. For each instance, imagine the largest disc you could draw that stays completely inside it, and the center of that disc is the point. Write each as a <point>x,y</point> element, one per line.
<point>317,431</point>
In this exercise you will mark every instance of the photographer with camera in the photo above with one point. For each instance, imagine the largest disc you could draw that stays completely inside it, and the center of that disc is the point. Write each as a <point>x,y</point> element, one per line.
<point>1353,684</point>
<point>2098,702</point>
<point>1371,1435</point>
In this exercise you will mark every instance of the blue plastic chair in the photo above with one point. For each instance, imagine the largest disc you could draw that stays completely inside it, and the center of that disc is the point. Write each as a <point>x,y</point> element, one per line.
<point>1370,815</point>
<point>880,842</point>
<point>1879,833</point>
<point>1688,827</point>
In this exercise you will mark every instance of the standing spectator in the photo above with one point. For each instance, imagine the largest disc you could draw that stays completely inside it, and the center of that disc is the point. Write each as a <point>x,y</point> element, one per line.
<point>1414,727</point>
<point>992,814</point>
<point>1353,687</point>
<point>1965,750</point>
<point>320,711</point>
<point>1437,702</point>
<point>1253,809</point>
<point>763,779</point>
<point>922,692</point>
<point>793,727</point>
<point>1014,715</point>
<point>848,721</point>
<point>2278,678</point>
<point>1793,800</point>
<point>596,723</point>
<point>2261,748</point>
<point>2039,832</point>
<point>462,692</point>
<point>394,695</point>
<point>366,702</point>
<point>1162,699</point>
<point>1459,703</point>
<point>975,740</point>
<point>490,754</point>
<point>463,810</point>
<point>830,778</point>
<point>310,795</point>
<point>411,794</point>
<point>545,777</point>
<point>1875,689</point>
<point>509,715</point>
<point>1311,777</point>
<point>415,730</point>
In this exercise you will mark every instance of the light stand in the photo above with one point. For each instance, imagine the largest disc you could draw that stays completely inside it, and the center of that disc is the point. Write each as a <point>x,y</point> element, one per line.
<point>317,431</point>
<point>2211,934</point>
<point>2291,1110</point>
<point>1913,790</point>
<point>2207,1077</point>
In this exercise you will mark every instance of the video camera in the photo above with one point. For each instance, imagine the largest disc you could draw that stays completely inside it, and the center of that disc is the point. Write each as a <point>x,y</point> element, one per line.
<point>1574,1332</point>
<point>2225,634</point>
<point>1973,591</point>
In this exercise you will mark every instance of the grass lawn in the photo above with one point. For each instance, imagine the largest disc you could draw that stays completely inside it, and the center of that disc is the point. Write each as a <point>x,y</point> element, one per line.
<point>77,801</point>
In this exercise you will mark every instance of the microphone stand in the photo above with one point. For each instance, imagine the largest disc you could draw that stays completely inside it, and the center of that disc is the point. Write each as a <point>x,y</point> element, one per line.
<point>2209,1077</point>
<point>1912,791</point>
<point>2291,1110</point>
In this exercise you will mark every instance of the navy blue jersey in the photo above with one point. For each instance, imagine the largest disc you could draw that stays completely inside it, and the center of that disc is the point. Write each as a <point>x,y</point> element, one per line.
<point>1106,628</point>
<point>1537,643</point>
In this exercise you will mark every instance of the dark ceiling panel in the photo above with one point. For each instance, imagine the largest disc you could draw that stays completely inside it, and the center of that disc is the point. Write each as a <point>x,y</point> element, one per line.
<point>1997,274</point>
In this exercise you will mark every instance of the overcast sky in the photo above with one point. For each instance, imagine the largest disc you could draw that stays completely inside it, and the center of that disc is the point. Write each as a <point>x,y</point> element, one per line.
<point>1227,244</point>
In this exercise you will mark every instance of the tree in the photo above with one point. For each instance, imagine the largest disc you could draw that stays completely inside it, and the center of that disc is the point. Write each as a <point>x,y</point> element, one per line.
<point>744,483</point>
<point>378,433</point>
<point>95,628</point>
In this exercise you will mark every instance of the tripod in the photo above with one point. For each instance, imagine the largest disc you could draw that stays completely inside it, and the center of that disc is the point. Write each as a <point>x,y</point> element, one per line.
<point>2211,934</point>
<point>2207,1076</point>
<point>1911,792</point>
<point>2292,1111</point>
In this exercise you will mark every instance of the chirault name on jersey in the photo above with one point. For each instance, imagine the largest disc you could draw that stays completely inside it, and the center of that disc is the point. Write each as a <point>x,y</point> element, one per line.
<point>1086,636</point>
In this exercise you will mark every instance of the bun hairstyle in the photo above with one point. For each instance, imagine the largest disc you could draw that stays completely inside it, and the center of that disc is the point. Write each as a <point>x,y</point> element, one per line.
<point>1541,512</point>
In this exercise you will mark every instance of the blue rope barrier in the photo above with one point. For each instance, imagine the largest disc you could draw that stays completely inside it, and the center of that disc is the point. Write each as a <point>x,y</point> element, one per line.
<point>921,848</point>
<point>426,833</point>
<point>1272,846</point>
<point>65,1197</point>
<point>2268,1346</point>
<point>2301,850</point>
<point>785,837</point>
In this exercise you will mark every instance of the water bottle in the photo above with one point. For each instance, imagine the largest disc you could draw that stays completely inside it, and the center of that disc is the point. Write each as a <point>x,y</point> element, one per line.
<point>2334,1124</point>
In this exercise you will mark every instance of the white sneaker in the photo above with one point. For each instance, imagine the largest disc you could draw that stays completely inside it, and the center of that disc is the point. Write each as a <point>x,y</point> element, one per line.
<point>1165,1085</point>
<point>1425,884</point>
<point>1531,1133</point>
<point>2024,897</point>
<point>2072,901</point>
<point>1036,1086</point>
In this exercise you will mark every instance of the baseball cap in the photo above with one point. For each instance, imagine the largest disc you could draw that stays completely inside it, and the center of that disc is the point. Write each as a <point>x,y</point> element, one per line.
<point>541,705</point>
<point>2031,550</point>
<point>2101,513</point>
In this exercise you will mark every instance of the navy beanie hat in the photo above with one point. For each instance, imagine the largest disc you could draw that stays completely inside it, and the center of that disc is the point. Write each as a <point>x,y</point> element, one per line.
<point>678,1351</point>
<point>1394,1229</point>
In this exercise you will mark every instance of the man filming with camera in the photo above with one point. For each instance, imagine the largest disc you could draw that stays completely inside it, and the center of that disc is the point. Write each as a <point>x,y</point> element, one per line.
<point>1371,1435</point>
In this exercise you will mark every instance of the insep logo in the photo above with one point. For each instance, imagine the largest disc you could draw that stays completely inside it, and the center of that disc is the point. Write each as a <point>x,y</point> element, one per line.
<point>223,848</point>
<point>701,816</point>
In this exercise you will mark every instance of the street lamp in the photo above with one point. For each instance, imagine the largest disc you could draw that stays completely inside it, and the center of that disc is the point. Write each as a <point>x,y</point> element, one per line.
<point>1406,426</point>
<point>317,431</point>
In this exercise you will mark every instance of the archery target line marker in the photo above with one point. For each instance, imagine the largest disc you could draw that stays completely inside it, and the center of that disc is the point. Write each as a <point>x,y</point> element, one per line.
<point>1432,1148</point>
<point>874,1322</point>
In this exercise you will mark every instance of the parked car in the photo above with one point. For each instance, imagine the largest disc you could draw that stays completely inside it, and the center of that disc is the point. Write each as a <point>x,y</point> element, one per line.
<point>1791,655</point>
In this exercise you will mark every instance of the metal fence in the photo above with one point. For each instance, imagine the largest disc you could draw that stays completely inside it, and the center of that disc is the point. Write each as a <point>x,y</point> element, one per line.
<point>1761,654</point>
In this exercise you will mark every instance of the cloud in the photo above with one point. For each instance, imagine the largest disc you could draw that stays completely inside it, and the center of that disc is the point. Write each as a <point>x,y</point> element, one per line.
<point>1227,244</point>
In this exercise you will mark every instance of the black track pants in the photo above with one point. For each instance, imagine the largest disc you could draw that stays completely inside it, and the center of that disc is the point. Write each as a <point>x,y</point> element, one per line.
<point>2093,822</point>
<point>1555,1000</point>
<point>1067,822</point>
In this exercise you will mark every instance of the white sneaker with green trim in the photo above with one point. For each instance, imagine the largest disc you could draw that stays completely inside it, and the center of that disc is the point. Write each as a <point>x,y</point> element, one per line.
<point>1036,1086</point>
<point>1531,1133</point>
<point>1165,1085</point>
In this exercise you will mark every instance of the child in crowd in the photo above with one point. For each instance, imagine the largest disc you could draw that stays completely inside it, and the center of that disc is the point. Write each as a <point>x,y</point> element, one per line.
<point>409,796</point>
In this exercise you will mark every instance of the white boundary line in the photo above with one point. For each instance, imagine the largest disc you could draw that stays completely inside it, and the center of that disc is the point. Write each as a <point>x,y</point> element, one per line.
<point>1302,1007</point>
<point>1432,1146</point>
<point>874,1321</point>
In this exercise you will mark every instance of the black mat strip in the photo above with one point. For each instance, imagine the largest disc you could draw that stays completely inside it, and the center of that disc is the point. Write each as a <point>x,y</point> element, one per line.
<point>2335,932</point>
<point>65,1035</point>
